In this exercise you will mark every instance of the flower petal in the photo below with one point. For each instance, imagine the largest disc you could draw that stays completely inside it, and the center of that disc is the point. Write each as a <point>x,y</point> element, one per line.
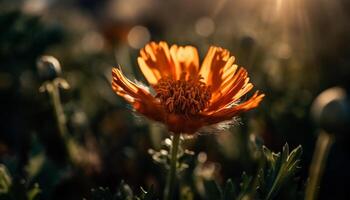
<point>214,63</point>
<point>231,90</point>
<point>141,100</point>
<point>230,112</point>
<point>186,60</point>
<point>155,62</point>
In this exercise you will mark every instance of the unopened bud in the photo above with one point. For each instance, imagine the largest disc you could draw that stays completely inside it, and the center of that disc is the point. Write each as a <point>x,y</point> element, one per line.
<point>48,67</point>
<point>331,111</point>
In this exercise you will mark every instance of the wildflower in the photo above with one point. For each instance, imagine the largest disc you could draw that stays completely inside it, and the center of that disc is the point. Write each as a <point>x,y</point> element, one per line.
<point>186,96</point>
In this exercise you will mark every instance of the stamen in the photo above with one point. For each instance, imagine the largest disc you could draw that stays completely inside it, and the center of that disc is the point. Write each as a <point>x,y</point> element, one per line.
<point>187,97</point>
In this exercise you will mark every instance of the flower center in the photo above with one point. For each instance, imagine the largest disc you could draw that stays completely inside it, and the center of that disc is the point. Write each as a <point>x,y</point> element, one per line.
<point>187,97</point>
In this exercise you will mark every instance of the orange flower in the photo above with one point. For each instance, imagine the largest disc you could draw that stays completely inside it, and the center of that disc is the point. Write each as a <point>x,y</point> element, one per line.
<point>186,96</point>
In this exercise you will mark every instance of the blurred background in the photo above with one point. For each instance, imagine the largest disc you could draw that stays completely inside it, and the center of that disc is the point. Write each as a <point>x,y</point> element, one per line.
<point>293,50</point>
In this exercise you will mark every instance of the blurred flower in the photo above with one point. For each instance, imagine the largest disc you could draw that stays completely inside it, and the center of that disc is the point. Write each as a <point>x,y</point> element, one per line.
<point>187,96</point>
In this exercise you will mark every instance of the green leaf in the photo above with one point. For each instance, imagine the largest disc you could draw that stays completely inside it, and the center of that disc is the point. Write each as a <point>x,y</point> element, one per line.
<point>285,153</point>
<point>279,169</point>
<point>34,192</point>
<point>230,192</point>
<point>246,181</point>
<point>245,186</point>
<point>5,180</point>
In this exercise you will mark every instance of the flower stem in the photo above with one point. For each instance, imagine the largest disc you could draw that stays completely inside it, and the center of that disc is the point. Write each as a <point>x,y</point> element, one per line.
<point>53,91</point>
<point>59,114</point>
<point>170,184</point>
<point>324,142</point>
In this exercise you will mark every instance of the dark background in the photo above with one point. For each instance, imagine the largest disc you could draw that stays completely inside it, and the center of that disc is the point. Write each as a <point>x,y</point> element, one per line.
<point>293,50</point>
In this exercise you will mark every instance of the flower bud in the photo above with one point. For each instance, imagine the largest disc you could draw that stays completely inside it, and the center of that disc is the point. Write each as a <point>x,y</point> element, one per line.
<point>48,67</point>
<point>331,111</point>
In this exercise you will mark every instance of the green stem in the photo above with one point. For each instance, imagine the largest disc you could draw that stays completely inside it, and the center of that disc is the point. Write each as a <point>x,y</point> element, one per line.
<point>323,145</point>
<point>60,117</point>
<point>170,184</point>
<point>53,91</point>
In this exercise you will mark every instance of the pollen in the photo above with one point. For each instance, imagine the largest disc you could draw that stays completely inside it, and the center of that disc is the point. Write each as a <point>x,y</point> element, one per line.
<point>184,96</point>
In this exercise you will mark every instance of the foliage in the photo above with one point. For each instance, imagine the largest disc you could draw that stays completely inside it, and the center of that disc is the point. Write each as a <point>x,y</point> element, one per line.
<point>162,156</point>
<point>16,190</point>
<point>123,192</point>
<point>275,172</point>
<point>278,170</point>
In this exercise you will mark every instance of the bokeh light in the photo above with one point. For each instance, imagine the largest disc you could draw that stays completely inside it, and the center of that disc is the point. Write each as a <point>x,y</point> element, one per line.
<point>138,36</point>
<point>205,26</point>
